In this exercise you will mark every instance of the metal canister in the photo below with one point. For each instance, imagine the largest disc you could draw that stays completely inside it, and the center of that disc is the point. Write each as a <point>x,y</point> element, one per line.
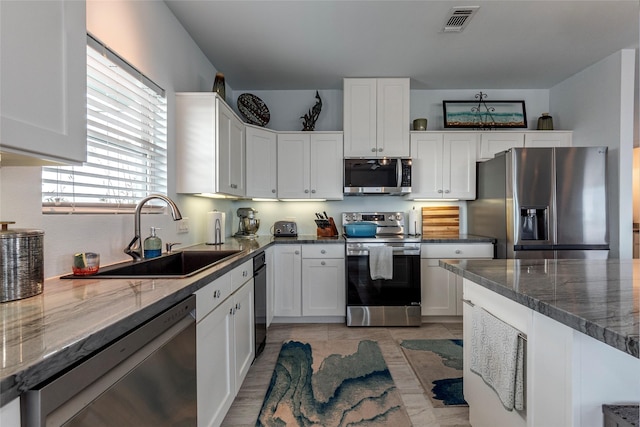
<point>21,263</point>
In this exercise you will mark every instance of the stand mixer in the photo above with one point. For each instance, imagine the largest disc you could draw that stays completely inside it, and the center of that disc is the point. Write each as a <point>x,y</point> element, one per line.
<point>249,224</point>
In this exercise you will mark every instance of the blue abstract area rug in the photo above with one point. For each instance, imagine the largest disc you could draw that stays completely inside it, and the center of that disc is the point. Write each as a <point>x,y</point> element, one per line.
<point>438,366</point>
<point>324,384</point>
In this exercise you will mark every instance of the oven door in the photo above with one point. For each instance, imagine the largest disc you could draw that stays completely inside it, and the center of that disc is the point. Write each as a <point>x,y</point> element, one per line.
<point>379,302</point>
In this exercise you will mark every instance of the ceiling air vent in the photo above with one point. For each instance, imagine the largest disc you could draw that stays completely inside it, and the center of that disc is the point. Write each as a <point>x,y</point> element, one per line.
<point>459,18</point>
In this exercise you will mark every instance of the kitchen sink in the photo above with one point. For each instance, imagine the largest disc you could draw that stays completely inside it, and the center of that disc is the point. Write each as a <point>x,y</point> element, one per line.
<point>175,265</point>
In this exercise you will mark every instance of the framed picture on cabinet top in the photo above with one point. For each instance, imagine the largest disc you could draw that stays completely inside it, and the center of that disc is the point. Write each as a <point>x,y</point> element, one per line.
<point>484,114</point>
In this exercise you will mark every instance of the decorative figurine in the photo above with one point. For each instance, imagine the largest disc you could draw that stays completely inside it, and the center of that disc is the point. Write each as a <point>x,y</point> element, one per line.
<point>309,122</point>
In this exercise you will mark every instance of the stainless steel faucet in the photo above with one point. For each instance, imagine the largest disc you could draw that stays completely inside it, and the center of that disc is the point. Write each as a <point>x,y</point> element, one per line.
<point>134,248</point>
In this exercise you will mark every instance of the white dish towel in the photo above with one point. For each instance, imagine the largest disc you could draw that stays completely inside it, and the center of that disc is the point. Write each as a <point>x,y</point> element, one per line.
<point>381,262</point>
<point>497,355</point>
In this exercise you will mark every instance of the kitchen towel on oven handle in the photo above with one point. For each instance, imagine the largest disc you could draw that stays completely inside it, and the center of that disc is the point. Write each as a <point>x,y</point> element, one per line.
<point>497,355</point>
<point>381,262</point>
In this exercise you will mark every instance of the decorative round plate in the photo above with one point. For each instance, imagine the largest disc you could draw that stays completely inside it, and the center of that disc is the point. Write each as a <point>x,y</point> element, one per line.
<point>253,109</point>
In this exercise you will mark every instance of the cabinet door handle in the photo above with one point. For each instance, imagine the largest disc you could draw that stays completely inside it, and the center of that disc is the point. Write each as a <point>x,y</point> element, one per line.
<point>380,150</point>
<point>447,191</point>
<point>322,263</point>
<point>245,273</point>
<point>238,306</point>
<point>440,191</point>
<point>306,191</point>
<point>234,185</point>
<point>313,191</point>
<point>373,150</point>
<point>297,252</point>
<point>273,191</point>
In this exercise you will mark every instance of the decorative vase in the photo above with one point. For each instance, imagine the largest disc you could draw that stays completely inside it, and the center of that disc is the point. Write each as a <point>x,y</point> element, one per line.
<point>545,122</point>
<point>218,85</point>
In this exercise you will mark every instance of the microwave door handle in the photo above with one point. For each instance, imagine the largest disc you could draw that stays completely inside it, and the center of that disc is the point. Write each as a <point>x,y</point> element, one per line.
<point>399,173</point>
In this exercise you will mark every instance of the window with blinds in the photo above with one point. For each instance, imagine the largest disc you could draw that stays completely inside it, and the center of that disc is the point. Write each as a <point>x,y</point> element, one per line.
<point>126,141</point>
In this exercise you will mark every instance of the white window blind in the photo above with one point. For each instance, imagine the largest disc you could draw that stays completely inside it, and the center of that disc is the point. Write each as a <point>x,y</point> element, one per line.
<point>126,141</point>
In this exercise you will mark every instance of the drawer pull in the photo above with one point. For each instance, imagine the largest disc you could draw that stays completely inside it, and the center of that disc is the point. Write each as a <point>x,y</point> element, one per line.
<point>323,251</point>
<point>458,251</point>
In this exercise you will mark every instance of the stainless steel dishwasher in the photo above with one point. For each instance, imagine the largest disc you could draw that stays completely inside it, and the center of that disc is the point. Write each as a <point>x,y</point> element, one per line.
<point>145,378</point>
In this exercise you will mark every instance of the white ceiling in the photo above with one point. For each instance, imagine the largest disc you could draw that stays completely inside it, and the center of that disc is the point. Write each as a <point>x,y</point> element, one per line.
<point>305,44</point>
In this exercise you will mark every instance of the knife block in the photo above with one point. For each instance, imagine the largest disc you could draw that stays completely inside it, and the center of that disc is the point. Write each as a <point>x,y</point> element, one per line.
<point>330,231</point>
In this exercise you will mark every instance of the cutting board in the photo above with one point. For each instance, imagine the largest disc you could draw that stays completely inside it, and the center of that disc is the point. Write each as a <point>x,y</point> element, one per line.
<point>441,221</point>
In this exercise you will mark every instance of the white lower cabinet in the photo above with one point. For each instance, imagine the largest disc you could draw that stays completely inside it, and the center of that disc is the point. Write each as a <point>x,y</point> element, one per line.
<point>309,280</point>
<point>225,343</point>
<point>288,278</point>
<point>568,375</point>
<point>442,289</point>
<point>323,280</point>
<point>10,413</point>
<point>271,289</point>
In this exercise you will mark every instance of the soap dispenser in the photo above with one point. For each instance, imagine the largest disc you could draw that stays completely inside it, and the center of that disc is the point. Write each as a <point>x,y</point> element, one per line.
<point>152,245</point>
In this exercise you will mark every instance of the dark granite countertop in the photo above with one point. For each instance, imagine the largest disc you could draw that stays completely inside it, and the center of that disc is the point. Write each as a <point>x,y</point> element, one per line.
<point>600,298</point>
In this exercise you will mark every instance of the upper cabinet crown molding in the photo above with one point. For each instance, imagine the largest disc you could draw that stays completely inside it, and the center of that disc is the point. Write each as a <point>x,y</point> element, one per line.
<point>376,117</point>
<point>43,79</point>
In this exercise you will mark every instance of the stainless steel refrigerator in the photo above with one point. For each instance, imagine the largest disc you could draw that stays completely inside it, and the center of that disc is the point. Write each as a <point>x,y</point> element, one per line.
<point>543,203</point>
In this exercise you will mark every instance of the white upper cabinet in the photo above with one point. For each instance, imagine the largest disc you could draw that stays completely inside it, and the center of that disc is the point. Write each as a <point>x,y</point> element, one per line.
<point>492,143</point>
<point>548,139</point>
<point>444,165</point>
<point>231,147</point>
<point>310,166</point>
<point>43,50</point>
<point>261,166</point>
<point>376,117</point>
<point>210,154</point>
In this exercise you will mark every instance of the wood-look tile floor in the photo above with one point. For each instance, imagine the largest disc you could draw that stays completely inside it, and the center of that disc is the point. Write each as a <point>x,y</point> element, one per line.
<point>246,406</point>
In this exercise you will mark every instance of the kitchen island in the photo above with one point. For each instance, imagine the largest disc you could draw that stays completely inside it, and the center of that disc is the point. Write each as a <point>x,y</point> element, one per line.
<point>581,321</point>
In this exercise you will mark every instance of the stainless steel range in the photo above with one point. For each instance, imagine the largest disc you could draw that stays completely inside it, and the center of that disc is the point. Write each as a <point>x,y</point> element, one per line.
<point>392,298</point>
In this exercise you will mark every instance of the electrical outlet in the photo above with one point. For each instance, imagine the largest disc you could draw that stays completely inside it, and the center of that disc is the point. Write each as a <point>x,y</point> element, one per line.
<point>182,227</point>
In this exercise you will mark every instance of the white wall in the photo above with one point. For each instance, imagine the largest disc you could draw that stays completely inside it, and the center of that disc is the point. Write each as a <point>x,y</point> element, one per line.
<point>598,103</point>
<point>286,107</point>
<point>428,103</point>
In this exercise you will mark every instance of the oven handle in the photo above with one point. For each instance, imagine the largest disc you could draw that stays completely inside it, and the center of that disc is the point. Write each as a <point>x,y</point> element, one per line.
<point>365,251</point>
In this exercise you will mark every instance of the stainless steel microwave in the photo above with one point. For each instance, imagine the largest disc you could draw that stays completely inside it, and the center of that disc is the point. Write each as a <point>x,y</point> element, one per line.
<point>377,176</point>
